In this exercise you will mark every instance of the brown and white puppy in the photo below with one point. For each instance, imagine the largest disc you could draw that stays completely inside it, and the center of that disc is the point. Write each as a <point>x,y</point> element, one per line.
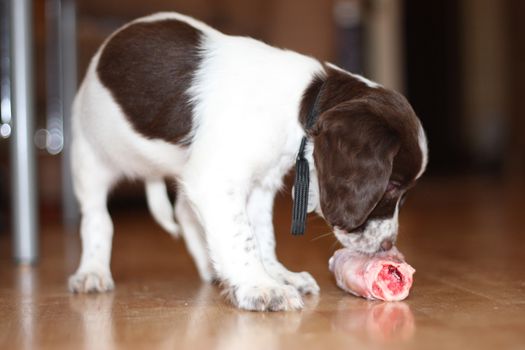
<point>168,97</point>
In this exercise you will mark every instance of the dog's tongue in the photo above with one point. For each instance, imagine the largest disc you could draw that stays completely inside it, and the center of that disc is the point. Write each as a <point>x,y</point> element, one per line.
<point>384,276</point>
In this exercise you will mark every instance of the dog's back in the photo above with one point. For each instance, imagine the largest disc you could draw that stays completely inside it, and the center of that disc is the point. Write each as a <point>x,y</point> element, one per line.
<point>161,81</point>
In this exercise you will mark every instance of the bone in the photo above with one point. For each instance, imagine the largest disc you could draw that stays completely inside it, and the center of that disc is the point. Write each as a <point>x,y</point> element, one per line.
<point>383,276</point>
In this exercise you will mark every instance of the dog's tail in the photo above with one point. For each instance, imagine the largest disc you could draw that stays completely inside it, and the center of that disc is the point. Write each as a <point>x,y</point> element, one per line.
<point>160,206</point>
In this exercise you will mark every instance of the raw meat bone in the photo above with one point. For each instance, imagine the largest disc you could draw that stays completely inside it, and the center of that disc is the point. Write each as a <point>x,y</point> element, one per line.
<point>384,276</point>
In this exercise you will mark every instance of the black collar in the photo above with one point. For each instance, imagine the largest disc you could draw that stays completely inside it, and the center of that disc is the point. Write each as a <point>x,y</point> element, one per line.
<point>302,173</point>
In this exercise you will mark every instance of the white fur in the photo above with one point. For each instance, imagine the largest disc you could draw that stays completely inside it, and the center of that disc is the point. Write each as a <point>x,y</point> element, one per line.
<point>160,206</point>
<point>194,237</point>
<point>422,140</point>
<point>369,241</point>
<point>254,144</point>
<point>242,147</point>
<point>368,82</point>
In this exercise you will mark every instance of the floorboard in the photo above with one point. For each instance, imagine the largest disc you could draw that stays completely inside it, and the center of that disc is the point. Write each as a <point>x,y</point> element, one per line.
<point>465,237</point>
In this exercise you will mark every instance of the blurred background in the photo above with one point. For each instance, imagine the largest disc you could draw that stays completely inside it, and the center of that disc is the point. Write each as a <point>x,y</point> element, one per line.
<point>459,62</point>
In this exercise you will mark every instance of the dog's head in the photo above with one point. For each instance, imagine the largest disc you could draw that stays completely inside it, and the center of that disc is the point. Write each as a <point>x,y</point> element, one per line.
<point>368,151</point>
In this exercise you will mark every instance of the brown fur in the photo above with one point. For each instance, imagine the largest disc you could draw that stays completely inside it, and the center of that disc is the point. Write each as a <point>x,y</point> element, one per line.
<point>148,67</point>
<point>364,139</point>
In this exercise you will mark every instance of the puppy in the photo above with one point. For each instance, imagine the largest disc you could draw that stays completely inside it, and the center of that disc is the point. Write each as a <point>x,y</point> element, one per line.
<point>166,96</point>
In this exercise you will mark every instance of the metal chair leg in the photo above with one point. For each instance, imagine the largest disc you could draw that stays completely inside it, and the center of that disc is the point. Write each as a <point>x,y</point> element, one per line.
<point>25,242</point>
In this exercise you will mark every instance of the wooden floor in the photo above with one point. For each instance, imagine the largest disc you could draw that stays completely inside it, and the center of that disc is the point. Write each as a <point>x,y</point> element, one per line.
<point>465,238</point>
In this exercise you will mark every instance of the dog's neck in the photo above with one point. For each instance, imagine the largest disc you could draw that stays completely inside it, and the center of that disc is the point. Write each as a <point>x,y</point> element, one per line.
<point>312,102</point>
<point>313,189</point>
<point>302,180</point>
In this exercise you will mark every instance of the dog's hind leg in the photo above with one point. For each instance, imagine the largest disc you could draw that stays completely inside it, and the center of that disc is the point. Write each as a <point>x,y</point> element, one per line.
<point>92,180</point>
<point>193,234</point>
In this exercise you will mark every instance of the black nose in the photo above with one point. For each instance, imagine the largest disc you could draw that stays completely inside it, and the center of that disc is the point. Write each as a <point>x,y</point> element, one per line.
<point>386,245</point>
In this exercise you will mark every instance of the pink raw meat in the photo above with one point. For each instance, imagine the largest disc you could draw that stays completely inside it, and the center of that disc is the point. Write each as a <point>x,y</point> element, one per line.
<point>384,276</point>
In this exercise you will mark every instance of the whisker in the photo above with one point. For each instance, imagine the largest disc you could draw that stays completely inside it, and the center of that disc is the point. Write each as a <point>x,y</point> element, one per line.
<point>334,244</point>
<point>321,236</point>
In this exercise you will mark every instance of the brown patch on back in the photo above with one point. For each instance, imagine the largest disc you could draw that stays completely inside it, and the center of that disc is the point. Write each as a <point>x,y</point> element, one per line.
<point>148,67</point>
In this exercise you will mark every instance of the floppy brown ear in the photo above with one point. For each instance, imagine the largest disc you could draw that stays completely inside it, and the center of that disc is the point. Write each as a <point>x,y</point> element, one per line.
<point>354,150</point>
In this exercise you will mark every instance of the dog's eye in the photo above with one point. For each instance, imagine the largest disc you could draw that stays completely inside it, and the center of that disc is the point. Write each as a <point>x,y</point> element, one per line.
<point>393,186</point>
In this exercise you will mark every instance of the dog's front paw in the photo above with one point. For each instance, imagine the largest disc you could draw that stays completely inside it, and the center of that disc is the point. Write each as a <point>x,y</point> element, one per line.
<point>265,297</point>
<point>303,281</point>
<point>91,282</point>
